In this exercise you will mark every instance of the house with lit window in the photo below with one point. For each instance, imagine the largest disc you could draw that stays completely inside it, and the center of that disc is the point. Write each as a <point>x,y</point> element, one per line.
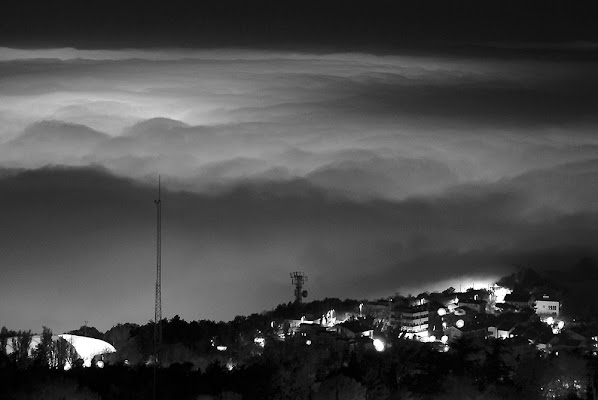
<point>545,305</point>
<point>478,306</point>
<point>415,319</point>
<point>354,329</point>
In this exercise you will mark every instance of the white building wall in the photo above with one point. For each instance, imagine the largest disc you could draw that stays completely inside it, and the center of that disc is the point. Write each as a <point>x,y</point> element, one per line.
<point>548,307</point>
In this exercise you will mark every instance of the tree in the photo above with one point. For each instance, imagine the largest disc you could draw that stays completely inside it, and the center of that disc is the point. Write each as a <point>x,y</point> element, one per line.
<point>45,353</point>
<point>4,335</point>
<point>72,357</point>
<point>20,345</point>
<point>448,291</point>
<point>88,331</point>
<point>56,390</point>
<point>340,387</point>
<point>61,346</point>
<point>495,368</point>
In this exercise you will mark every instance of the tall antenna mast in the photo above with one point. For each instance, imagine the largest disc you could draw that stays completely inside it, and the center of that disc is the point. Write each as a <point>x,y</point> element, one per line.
<point>158,305</point>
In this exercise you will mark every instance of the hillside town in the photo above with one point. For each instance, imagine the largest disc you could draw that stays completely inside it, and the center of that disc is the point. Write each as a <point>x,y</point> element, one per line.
<point>485,334</point>
<point>522,319</point>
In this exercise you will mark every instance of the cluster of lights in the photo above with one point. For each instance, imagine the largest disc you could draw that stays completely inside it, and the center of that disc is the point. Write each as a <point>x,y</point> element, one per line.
<point>452,308</point>
<point>561,386</point>
<point>557,327</point>
<point>260,341</point>
<point>379,345</point>
<point>329,319</point>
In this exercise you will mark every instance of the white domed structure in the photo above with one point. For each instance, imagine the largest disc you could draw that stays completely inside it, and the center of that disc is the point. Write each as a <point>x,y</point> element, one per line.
<point>88,347</point>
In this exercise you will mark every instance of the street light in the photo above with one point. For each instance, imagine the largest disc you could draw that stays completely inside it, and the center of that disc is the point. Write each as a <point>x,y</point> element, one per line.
<point>379,345</point>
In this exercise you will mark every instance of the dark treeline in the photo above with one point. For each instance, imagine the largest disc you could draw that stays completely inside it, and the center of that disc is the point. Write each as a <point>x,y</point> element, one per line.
<point>290,369</point>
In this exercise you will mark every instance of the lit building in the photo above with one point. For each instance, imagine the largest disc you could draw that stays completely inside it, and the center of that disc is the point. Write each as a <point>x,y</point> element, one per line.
<point>547,306</point>
<point>415,319</point>
<point>354,329</point>
<point>479,306</point>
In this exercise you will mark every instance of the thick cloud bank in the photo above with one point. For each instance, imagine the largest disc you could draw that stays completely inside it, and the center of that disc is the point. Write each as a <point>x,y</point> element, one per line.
<point>371,173</point>
<point>79,243</point>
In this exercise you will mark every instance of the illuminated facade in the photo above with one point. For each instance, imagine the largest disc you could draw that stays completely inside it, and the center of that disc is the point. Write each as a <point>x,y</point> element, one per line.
<point>547,306</point>
<point>415,319</point>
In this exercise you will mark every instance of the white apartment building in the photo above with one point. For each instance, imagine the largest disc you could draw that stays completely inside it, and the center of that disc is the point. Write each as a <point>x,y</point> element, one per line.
<point>547,306</point>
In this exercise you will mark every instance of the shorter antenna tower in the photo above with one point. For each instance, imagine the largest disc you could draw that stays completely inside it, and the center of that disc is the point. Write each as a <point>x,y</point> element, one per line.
<point>298,279</point>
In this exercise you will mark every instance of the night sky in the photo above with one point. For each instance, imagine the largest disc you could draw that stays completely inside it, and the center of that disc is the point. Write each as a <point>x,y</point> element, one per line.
<point>377,149</point>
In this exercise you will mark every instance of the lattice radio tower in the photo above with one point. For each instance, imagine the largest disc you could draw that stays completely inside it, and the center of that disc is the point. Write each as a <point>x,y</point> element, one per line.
<point>298,279</point>
<point>158,304</point>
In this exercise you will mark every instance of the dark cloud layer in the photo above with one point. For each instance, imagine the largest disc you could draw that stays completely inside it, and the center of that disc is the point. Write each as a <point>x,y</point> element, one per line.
<point>380,23</point>
<point>79,244</point>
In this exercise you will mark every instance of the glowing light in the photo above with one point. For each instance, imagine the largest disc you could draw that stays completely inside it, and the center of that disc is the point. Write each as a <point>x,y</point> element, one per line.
<point>460,323</point>
<point>100,364</point>
<point>379,345</point>
<point>432,338</point>
<point>260,341</point>
<point>308,342</point>
<point>441,311</point>
<point>555,331</point>
<point>446,348</point>
<point>444,339</point>
<point>88,347</point>
<point>500,293</point>
<point>561,324</point>
<point>550,320</point>
<point>67,366</point>
<point>221,348</point>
